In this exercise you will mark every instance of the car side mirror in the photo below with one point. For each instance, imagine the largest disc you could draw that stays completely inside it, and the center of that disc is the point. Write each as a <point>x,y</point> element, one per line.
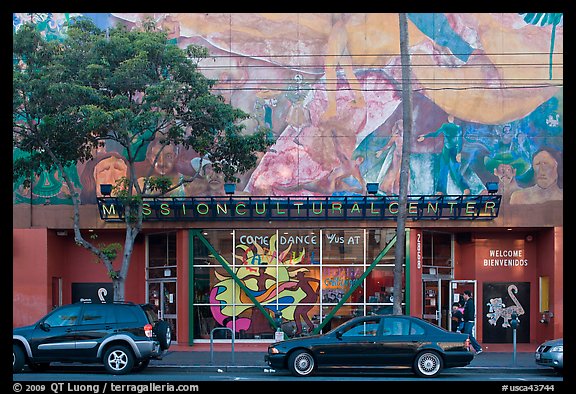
<point>44,326</point>
<point>339,334</point>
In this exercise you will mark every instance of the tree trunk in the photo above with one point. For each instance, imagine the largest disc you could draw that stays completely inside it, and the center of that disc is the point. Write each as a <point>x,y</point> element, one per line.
<point>404,166</point>
<point>119,288</point>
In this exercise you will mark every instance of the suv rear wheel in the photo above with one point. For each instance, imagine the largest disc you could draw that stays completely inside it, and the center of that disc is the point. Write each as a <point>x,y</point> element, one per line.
<point>141,366</point>
<point>118,360</point>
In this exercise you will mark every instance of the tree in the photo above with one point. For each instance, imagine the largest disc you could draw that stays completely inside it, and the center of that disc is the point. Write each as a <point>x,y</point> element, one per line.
<point>399,258</point>
<point>73,95</point>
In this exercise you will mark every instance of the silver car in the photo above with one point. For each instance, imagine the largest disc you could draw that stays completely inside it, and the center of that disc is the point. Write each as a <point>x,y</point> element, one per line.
<point>551,354</point>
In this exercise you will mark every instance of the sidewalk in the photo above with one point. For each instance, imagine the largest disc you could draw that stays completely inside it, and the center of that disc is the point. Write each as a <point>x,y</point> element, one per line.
<point>250,356</point>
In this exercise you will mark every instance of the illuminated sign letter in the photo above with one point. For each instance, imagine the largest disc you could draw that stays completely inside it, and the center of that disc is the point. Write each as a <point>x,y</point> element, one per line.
<point>263,209</point>
<point>489,205</point>
<point>336,206</point>
<point>109,211</point>
<point>240,205</point>
<point>298,205</point>
<point>202,208</point>
<point>316,212</point>
<point>278,211</point>
<point>165,209</point>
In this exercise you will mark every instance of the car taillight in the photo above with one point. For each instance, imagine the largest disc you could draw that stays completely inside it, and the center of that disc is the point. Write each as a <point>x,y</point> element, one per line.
<point>148,330</point>
<point>467,343</point>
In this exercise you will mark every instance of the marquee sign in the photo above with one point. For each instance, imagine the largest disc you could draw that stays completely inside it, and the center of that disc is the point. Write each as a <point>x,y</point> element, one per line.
<point>424,207</point>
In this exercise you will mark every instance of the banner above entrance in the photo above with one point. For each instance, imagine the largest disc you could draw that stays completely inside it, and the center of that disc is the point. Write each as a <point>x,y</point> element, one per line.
<point>425,207</point>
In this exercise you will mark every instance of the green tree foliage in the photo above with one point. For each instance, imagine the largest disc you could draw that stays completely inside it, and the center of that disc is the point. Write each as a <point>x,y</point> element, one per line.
<point>128,87</point>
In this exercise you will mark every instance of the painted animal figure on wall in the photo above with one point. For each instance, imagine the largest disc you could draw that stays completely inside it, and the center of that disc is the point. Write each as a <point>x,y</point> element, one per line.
<point>499,310</point>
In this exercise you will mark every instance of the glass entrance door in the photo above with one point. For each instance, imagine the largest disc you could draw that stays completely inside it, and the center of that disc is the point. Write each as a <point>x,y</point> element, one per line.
<point>436,308</point>
<point>431,298</point>
<point>162,296</point>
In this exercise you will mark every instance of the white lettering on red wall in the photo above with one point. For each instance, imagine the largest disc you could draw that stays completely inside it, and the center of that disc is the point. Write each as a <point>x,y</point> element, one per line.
<point>506,258</point>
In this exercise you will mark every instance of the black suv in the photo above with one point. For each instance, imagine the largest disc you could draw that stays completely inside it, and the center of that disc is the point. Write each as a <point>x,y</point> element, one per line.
<point>122,336</point>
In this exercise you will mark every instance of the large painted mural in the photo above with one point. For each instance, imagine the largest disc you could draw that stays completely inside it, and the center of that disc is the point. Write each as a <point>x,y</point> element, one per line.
<point>487,104</point>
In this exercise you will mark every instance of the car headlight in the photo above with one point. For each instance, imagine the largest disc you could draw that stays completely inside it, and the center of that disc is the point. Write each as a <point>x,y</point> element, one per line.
<point>557,349</point>
<point>273,350</point>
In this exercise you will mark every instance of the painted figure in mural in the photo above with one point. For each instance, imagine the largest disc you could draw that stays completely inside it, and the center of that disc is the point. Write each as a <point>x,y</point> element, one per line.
<point>506,167</point>
<point>450,157</point>
<point>162,160</point>
<point>546,188</point>
<point>208,182</point>
<point>48,187</point>
<point>499,310</point>
<point>104,168</point>
<point>261,280</point>
<point>311,297</point>
<point>516,143</point>
<point>390,183</point>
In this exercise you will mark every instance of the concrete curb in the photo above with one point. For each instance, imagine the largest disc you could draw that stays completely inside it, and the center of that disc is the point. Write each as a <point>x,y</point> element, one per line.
<point>263,368</point>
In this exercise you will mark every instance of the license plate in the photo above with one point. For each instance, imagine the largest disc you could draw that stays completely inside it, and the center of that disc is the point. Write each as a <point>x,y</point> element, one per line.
<point>537,356</point>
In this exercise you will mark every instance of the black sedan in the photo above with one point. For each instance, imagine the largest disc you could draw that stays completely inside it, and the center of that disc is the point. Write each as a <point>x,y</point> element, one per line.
<point>374,342</point>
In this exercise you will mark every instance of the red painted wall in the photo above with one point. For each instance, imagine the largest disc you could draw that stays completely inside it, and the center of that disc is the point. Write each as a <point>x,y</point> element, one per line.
<point>30,292</point>
<point>183,288</point>
<point>40,255</point>
<point>416,243</point>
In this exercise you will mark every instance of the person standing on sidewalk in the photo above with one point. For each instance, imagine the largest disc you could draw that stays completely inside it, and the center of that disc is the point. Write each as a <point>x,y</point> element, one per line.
<point>469,315</point>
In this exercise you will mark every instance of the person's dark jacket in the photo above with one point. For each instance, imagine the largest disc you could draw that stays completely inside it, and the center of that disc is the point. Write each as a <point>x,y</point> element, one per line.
<point>457,318</point>
<point>469,312</point>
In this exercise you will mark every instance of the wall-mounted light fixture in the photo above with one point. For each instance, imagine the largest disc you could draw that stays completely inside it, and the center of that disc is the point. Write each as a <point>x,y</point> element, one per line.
<point>372,187</point>
<point>546,316</point>
<point>229,188</point>
<point>106,189</point>
<point>492,187</point>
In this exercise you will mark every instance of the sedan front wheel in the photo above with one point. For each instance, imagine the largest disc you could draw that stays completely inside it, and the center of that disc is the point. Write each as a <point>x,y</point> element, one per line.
<point>428,364</point>
<point>301,363</point>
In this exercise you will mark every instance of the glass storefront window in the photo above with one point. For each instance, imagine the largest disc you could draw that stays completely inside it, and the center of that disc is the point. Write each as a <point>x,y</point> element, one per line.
<point>299,247</point>
<point>437,253</point>
<point>376,240</point>
<point>380,285</point>
<point>255,248</point>
<point>162,256</point>
<point>337,281</point>
<point>301,274</point>
<point>343,247</point>
<point>221,241</point>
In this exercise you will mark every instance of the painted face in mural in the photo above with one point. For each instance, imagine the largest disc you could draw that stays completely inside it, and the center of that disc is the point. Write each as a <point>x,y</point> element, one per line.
<point>505,173</point>
<point>108,171</point>
<point>214,180</point>
<point>166,160</point>
<point>546,169</point>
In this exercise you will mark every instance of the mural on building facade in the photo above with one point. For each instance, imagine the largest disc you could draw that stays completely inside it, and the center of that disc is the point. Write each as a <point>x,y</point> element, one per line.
<point>487,104</point>
<point>275,280</point>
